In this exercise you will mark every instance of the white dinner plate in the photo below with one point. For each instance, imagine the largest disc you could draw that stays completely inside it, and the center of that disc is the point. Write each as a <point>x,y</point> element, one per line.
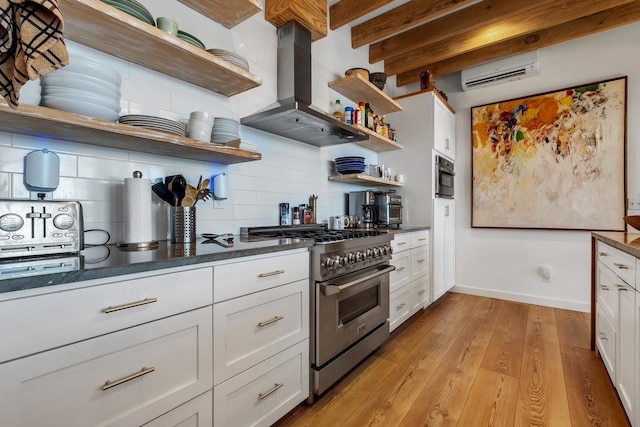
<point>81,77</point>
<point>84,108</point>
<point>91,99</point>
<point>50,82</point>
<point>89,67</point>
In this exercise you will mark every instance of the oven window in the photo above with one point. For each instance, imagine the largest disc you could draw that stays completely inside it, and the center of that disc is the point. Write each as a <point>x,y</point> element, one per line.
<point>446,180</point>
<point>354,306</point>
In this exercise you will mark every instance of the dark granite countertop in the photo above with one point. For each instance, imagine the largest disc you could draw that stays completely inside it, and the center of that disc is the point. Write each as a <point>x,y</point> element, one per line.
<point>626,242</point>
<point>99,262</point>
<point>409,229</point>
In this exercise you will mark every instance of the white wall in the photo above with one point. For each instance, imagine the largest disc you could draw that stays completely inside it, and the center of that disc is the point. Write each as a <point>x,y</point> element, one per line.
<point>288,172</point>
<point>504,263</point>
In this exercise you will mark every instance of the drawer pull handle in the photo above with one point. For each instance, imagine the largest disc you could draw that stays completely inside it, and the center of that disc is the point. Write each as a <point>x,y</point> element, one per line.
<point>267,393</point>
<point>399,307</point>
<point>270,321</point>
<point>620,266</point>
<point>145,301</point>
<point>271,273</point>
<point>421,292</point>
<point>399,269</point>
<point>107,385</point>
<point>604,288</point>
<point>402,243</point>
<point>422,239</point>
<point>622,288</point>
<point>422,260</point>
<point>603,336</point>
<point>603,254</point>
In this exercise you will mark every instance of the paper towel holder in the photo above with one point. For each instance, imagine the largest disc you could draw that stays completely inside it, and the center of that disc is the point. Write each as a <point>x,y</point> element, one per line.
<point>220,186</point>
<point>137,246</point>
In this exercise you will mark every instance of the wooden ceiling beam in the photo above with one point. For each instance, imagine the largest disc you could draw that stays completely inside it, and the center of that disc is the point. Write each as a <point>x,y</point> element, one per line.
<point>515,26</point>
<point>402,17</point>
<point>605,20</point>
<point>467,19</point>
<point>345,11</point>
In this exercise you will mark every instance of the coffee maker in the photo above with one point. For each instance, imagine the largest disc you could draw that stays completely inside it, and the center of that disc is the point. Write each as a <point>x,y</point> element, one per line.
<point>362,206</point>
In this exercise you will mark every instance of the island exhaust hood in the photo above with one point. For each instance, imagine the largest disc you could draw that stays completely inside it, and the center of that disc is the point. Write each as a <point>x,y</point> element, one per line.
<point>293,116</point>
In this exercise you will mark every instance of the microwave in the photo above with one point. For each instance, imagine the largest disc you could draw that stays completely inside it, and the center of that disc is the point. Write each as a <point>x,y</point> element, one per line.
<point>388,209</point>
<point>444,175</point>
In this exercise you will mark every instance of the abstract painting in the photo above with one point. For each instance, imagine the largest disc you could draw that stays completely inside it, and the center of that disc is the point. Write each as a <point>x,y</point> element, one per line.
<point>553,161</point>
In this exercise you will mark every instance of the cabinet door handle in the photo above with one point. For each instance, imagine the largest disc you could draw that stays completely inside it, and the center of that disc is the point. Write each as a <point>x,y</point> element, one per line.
<point>622,288</point>
<point>267,393</point>
<point>603,336</point>
<point>145,301</point>
<point>604,288</point>
<point>402,243</point>
<point>399,307</point>
<point>271,273</point>
<point>422,291</point>
<point>603,254</point>
<point>270,321</point>
<point>422,260</point>
<point>399,269</point>
<point>422,239</point>
<point>446,211</point>
<point>446,143</point>
<point>620,266</point>
<point>108,384</point>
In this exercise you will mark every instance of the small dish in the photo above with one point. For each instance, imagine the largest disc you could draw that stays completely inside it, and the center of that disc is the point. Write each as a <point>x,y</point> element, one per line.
<point>363,72</point>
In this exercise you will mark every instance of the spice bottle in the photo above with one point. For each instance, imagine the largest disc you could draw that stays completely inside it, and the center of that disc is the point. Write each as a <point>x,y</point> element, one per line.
<point>337,110</point>
<point>368,116</point>
<point>362,113</point>
<point>348,115</point>
<point>296,216</point>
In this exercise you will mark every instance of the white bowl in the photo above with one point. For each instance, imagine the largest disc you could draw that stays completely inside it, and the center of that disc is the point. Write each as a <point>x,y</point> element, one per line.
<point>81,77</point>
<point>80,107</point>
<point>89,67</point>
<point>92,99</point>
<point>49,82</point>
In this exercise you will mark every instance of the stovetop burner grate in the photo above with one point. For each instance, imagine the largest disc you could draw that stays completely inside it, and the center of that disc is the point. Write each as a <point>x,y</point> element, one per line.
<point>319,236</point>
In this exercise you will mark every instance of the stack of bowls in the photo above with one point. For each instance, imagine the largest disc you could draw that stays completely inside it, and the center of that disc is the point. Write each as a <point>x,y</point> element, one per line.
<point>224,130</point>
<point>378,79</point>
<point>353,164</point>
<point>85,87</point>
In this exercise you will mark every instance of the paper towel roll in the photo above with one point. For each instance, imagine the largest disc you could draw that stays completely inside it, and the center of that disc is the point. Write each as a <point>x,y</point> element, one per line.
<point>137,210</point>
<point>220,186</point>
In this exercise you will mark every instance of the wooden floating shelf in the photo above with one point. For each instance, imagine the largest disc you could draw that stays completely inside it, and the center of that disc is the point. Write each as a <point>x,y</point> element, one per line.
<point>358,178</point>
<point>226,13</point>
<point>50,123</point>
<point>376,142</point>
<point>357,88</point>
<point>105,28</point>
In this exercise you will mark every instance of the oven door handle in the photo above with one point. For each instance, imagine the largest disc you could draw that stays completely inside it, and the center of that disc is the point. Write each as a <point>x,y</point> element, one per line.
<point>330,289</point>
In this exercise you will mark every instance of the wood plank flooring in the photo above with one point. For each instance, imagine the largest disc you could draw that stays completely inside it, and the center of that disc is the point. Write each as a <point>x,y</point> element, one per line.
<point>473,361</point>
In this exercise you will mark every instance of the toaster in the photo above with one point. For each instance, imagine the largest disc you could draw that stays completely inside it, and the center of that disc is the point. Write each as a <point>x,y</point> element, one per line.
<point>40,227</point>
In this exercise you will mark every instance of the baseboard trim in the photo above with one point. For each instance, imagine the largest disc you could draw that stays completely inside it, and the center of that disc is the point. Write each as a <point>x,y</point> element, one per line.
<point>529,299</point>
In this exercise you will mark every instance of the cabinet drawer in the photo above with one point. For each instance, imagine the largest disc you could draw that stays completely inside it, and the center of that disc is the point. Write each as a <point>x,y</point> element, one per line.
<point>197,412</point>
<point>399,307</point>
<point>401,242</point>
<point>264,393</point>
<point>241,278</point>
<point>254,327</point>
<point>621,263</point>
<point>606,342</point>
<point>46,321</point>
<point>402,274</point>
<point>109,381</point>
<point>419,293</point>
<point>419,262</point>
<point>419,238</point>
<point>607,292</point>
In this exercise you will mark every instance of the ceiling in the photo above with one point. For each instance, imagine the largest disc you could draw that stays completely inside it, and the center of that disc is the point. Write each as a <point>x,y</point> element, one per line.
<point>444,36</point>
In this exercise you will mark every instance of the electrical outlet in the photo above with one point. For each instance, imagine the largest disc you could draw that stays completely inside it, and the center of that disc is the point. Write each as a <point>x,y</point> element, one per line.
<point>217,204</point>
<point>634,204</point>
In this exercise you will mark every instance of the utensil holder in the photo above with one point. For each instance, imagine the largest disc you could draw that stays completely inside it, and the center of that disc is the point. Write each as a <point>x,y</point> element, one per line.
<point>182,224</point>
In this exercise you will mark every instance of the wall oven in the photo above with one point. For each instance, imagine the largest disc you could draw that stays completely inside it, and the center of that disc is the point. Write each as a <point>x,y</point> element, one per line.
<point>444,175</point>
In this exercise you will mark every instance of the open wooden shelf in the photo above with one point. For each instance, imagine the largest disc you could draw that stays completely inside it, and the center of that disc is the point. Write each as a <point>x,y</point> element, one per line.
<point>50,123</point>
<point>105,28</point>
<point>357,88</point>
<point>227,13</point>
<point>376,142</point>
<point>358,178</point>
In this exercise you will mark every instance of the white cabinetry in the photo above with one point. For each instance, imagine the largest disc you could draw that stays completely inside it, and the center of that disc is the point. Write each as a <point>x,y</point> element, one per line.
<point>445,129</point>
<point>261,338</point>
<point>120,353</point>
<point>616,322</point>
<point>409,283</point>
<point>444,252</point>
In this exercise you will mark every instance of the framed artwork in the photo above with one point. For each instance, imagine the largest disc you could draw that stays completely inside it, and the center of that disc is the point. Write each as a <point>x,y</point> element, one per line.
<point>551,161</point>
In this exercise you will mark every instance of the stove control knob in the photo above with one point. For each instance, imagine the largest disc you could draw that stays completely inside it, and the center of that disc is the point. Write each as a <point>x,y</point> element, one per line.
<point>368,254</point>
<point>351,258</point>
<point>388,250</point>
<point>377,252</point>
<point>328,263</point>
<point>344,261</point>
<point>359,256</point>
<point>336,261</point>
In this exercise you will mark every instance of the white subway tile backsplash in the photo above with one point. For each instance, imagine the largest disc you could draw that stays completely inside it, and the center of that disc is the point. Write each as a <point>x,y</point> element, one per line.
<point>12,160</point>
<point>65,147</point>
<point>5,184</point>
<point>145,94</point>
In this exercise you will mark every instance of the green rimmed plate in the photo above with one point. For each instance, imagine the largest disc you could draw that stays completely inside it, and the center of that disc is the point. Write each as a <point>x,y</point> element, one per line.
<point>191,39</point>
<point>130,11</point>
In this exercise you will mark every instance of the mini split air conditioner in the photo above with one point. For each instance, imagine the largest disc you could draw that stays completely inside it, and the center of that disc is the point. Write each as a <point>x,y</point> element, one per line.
<point>505,70</point>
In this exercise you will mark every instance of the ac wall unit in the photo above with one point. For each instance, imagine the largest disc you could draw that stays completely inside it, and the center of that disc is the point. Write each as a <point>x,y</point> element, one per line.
<point>505,70</point>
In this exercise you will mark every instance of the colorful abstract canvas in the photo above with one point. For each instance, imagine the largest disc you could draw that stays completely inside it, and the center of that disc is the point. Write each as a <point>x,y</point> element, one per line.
<point>554,160</point>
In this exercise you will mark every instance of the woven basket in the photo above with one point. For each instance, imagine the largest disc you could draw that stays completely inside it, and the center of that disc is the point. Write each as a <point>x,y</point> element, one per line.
<point>633,221</point>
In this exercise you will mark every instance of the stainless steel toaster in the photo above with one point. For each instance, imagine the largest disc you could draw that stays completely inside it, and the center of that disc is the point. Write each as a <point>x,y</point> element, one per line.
<point>40,227</point>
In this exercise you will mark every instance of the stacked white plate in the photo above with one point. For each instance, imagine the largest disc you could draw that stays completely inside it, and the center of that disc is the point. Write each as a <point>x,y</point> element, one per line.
<point>230,57</point>
<point>224,130</point>
<point>85,87</point>
<point>155,123</point>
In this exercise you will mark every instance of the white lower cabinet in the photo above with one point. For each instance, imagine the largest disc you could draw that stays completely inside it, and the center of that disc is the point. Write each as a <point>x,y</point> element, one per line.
<point>125,378</point>
<point>626,351</point>
<point>197,412</point>
<point>443,246</point>
<point>606,342</point>
<point>409,283</point>
<point>264,393</point>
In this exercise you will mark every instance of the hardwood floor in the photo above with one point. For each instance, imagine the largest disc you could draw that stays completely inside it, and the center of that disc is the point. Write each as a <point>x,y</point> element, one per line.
<point>474,361</point>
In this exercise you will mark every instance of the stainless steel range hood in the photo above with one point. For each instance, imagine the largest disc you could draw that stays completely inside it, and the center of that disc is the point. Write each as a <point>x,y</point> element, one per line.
<point>293,116</point>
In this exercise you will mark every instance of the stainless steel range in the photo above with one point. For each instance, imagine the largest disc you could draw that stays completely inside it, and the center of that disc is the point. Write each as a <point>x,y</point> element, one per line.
<point>349,296</point>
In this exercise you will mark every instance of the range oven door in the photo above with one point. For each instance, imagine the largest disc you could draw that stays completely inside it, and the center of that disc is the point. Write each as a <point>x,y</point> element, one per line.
<point>348,308</point>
